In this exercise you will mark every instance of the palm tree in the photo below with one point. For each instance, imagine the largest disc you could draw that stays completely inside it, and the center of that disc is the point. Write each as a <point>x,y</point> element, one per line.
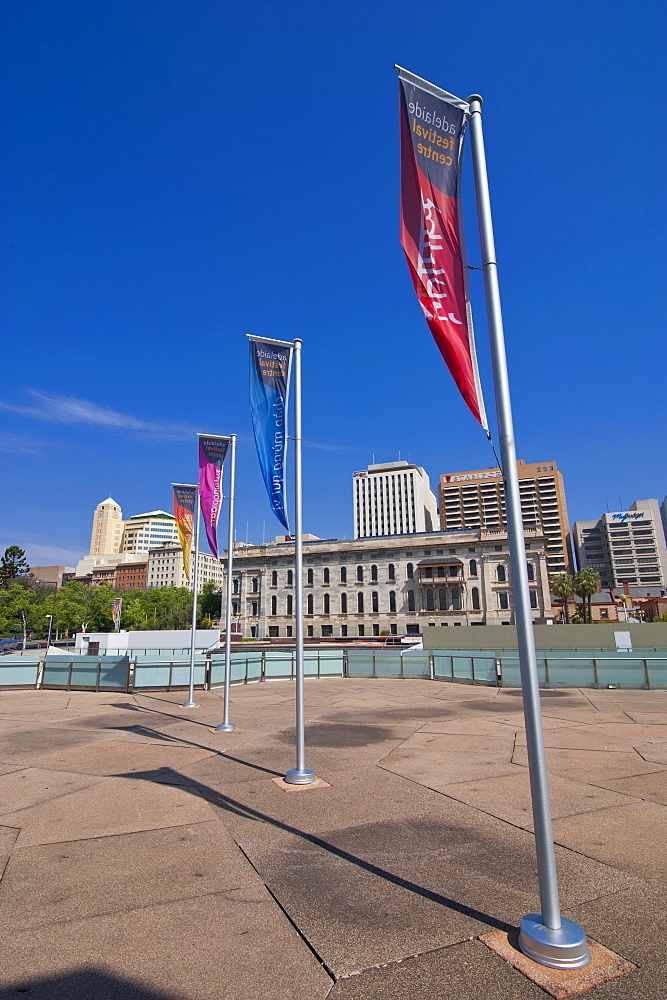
<point>586,583</point>
<point>562,585</point>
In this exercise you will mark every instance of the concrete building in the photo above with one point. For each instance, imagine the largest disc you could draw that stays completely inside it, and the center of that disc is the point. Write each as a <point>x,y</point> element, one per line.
<point>476,499</point>
<point>393,498</point>
<point>50,574</point>
<point>86,566</point>
<point>107,534</point>
<point>394,585</point>
<point>144,532</point>
<point>165,569</point>
<point>131,576</point>
<point>626,547</point>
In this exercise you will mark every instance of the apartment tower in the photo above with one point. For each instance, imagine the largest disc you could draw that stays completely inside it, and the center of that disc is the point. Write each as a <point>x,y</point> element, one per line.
<point>476,499</point>
<point>107,534</point>
<point>393,498</point>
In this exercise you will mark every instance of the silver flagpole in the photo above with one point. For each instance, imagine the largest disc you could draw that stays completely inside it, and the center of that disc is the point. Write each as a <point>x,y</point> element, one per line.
<point>546,937</point>
<point>191,703</point>
<point>226,726</point>
<point>299,775</point>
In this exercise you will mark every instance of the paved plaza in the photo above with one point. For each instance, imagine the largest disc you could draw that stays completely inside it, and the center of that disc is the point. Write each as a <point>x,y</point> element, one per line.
<point>148,857</point>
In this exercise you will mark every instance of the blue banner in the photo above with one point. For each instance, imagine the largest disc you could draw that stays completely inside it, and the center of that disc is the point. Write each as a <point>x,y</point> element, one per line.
<point>270,365</point>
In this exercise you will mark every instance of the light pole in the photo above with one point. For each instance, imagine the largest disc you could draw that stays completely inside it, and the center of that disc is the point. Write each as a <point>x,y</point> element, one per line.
<point>48,638</point>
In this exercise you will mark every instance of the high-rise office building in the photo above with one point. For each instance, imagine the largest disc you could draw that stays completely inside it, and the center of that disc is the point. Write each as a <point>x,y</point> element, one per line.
<point>107,534</point>
<point>144,532</point>
<point>476,499</point>
<point>626,547</point>
<point>393,498</point>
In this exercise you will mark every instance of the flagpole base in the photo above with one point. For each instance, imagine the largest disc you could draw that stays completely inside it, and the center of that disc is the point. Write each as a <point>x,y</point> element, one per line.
<point>225,727</point>
<point>190,704</point>
<point>565,948</point>
<point>300,776</point>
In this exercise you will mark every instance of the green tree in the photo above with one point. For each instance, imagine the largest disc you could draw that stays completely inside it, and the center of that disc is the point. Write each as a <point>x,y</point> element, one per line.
<point>562,586</point>
<point>208,603</point>
<point>20,611</point>
<point>13,565</point>
<point>586,583</point>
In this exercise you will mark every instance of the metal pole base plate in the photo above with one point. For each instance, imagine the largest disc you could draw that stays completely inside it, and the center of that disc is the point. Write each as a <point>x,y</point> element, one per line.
<point>565,948</point>
<point>190,704</point>
<point>300,776</point>
<point>225,727</point>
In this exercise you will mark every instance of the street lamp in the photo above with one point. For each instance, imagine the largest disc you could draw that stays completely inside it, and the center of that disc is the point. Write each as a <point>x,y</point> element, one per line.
<point>48,639</point>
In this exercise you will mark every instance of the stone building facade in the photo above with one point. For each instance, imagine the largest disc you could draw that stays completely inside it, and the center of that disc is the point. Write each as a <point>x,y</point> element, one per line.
<point>394,585</point>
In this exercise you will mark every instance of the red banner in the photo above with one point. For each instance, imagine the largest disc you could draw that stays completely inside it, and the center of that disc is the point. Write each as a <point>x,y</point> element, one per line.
<point>432,131</point>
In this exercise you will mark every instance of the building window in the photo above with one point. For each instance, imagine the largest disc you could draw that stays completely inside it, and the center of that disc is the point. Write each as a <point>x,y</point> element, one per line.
<point>343,604</point>
<point>309,604</point>
<point>475,598</point>
<point>327,630</point>
<point>428,572</point>
<point>391,572</point>
<point>310,631</point>
<point>360,574</point>
<point>604,613</point>
<point>501,575</point>
<point>473,567</point>
<point>288,631</point>
<point>254,608</point>
<point>290,600</point>
<point>442,599</point>
<point>409,571</point>
<point>326,604</point>
<point>430,600</point>
<point>274,605</point>
<point>360,603</point>
<point>503,601</point>
<point>374,574</point>
<point>343,574</point>
<point>274,578</point>
<point>274,631</point>
<point>533,598</point>
<point>343,630</point>
<point>531,571</point>
<point>309,578</point>
<point>392,600</point>
<point>325,575</point>
<point>290,578</point>
<point>236,584</point>
<point>362,631</point>
<point>376,630</point>
<point>255,585</point>
<point>411,600</point>
<point>456,599</point>
<point>375,602</point>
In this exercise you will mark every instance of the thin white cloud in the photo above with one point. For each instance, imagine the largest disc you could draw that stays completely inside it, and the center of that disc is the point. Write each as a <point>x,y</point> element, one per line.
<point>57,409</point>
<point>18,444</point>
<point>52,555</point>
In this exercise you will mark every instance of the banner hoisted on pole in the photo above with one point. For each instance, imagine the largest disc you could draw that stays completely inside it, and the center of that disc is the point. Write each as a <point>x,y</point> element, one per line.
<point>185,499</point>
<point>116,609</point>
<point>212,452</point>
<point>433,125</point>
<point>270,367</point>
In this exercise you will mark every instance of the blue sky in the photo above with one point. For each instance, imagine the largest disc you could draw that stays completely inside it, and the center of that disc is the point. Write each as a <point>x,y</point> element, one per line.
<point>182,172</point>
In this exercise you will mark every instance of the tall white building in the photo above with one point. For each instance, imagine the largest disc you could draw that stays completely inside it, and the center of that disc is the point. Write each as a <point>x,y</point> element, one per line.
<point>107,534</point>
<point>165,569</point>
<point>144,532</point>
<point>625,546</point>
<point>393,498</point>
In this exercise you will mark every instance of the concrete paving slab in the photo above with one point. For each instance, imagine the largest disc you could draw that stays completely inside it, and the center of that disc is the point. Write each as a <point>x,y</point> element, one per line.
<point>438,771</point>
<point>579,738</point>
<point>443,743</point>
<point>114,757</point>
<point>57,882</point>
<point>187,950</point>
<point>655,753</point>
<point>466,971</point>
<point>608,833</point>
<point>27,787</point>
<point>111,806</point>
<point>632,732</point>
<point>591,764</point>
<point>652,787</point>
<point>8,837</point>
<point>590,716</point>
<point>29,746</point>
<point>631,923</point>
<point>657,717</point>
<point>508,797</point>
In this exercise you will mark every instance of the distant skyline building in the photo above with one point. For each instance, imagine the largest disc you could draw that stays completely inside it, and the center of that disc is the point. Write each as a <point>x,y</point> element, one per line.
<point>393,498</point>
<point>165,569</point>
<point>626,547</point>
<point>476,499</point>
<point>107,534</point>
<point>144,532</point>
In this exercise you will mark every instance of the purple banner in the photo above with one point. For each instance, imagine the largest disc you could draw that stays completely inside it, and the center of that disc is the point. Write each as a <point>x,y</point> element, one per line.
<point>212,451</point>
